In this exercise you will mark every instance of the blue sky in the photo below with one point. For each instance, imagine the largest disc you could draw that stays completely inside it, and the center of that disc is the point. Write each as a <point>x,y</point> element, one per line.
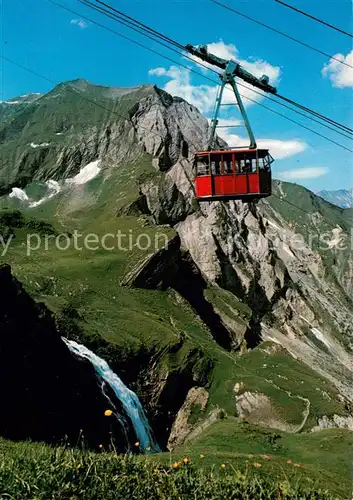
<point>62,46</point>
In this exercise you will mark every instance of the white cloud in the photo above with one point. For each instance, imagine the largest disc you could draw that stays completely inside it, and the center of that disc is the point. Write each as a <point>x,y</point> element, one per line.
<point>160,71</point>
<point>257,67</point>
<point>80,23</point>
<point>203,96</point>
<point>223,50</point>
<point>279,149</point>
<point>302,173</point>
<point>282,149</point>
<point>339,74</point>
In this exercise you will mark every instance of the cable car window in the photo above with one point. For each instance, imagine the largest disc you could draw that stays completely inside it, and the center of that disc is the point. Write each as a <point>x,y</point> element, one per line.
<point>227,165</point>
<point>203,167</point>
<point>241,164</point>
<point>216,164</point>
<point>236,165</point>
<point>246,166</point>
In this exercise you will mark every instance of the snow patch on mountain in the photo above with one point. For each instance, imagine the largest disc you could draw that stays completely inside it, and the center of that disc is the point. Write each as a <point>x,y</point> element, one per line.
<point>19,194</point>
<point>320,336</point>
<point>54,188</point>
<point>86,173</point>
<point>42,145</point>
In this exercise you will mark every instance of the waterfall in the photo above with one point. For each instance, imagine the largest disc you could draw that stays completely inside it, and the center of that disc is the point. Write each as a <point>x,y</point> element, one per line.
<point>129,400</point>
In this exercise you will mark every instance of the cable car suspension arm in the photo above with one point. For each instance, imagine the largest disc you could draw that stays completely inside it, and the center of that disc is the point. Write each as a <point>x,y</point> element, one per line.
<point>231,70</point>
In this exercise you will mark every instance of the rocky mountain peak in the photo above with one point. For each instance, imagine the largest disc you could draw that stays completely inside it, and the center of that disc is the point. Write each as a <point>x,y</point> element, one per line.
<point>79,122</point>
<point>79,83</point>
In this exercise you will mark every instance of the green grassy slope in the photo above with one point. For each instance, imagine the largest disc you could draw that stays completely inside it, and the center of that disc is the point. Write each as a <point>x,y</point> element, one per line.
<point>298,206</point>
<point>29,470</point>
<point>321,459</point>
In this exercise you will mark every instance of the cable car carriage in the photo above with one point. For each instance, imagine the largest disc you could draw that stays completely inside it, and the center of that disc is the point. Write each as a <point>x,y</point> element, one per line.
<point>232,173</point>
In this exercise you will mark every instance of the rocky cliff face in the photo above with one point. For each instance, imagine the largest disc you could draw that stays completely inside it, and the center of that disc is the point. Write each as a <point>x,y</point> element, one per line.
<point>253,251</point>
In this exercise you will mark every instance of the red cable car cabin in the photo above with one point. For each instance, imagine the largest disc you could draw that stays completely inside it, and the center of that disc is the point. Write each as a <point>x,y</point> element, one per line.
<point>233,174</point>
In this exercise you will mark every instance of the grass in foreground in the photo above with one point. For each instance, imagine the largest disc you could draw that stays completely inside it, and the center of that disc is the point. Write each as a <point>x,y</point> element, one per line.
<point>36,471</point>
<point>320,459</point>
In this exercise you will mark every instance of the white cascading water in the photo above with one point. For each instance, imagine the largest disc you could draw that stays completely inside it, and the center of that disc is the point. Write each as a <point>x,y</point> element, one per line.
<point>129,401</point>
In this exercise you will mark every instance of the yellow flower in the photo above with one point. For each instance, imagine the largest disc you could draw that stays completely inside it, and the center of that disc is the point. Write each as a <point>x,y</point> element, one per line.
<point>223,466</point>
<point>108,413</point>
<point>137,443</point>
<point>176,465</point>
<point>284,488</point>
<point>257,465</point>
<point>202,455</point>
<point>186,460</point>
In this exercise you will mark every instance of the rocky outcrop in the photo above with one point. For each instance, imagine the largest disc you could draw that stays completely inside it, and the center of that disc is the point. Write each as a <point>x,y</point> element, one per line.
<point>334,422</point>
<point>165,202</point>
<point>170,196</point>
<point>171,267</point>
<point>167,387</point>
<point>158,270</point>
<point>257,408</point>
<point>195,402</point>
<point>168,127</point>
<point>46,394</point>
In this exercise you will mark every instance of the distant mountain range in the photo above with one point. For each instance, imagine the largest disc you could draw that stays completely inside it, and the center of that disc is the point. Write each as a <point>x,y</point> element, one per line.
<point>342,197</point>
